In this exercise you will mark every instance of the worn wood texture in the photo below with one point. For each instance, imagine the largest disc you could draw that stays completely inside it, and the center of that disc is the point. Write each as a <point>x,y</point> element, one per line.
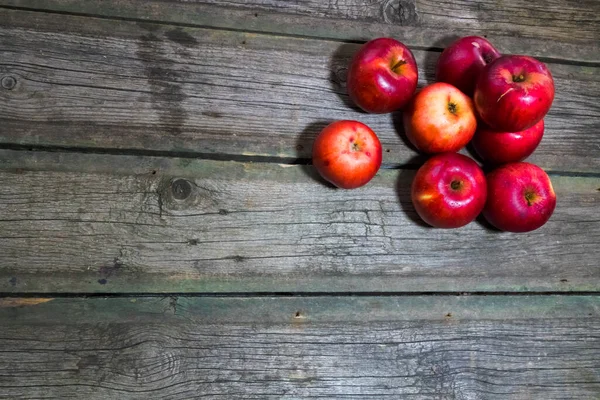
<point>121,85</point>
<point>179,225</point>
<point>439,347</point>
<point>547,28</point>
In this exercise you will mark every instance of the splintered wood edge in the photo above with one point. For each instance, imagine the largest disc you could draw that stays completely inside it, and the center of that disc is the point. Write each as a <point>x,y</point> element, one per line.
<point>303,310</point>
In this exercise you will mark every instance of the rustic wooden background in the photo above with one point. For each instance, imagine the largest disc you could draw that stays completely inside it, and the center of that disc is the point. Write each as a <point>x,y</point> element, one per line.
<point>163,235</point>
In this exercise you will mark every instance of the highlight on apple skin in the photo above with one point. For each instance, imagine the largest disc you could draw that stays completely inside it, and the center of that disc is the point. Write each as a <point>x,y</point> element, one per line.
<point>449,190</point>
<point>382,76</point>
<point>520,197</point>
<point>514,93</point>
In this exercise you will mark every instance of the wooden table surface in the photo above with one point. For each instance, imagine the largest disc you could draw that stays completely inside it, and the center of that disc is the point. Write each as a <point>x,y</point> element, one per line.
<point>163,234</point>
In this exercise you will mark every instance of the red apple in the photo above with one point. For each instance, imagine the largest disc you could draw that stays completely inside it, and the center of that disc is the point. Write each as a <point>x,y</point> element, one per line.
<point>382,76</point>
<point>506,147</point>
<point>514,93</point>
<point>440,118</point>
<point>449,190</point>
<point>347,154</point>
<point>461,63</point>
<point>520,197</point>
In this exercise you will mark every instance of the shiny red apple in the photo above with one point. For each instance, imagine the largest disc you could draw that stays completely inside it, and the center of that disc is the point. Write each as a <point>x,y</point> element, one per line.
<point>382,76</point>
<point>461,63</point>
<point>347,154</point>
<point>514,93</point>
<point>440,118</point>
<point>449,190</point>
<point>520,197</point>
<point>505,147</point>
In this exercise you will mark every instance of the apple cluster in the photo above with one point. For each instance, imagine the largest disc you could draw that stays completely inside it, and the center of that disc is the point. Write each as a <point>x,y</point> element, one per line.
<point>495,102</point>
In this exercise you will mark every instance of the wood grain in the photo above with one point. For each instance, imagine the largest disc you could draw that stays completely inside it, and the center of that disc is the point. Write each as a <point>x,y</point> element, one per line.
<point>182,225</point>
<point>120,85</point>
<point>566,30</point>
<point>437,347</point>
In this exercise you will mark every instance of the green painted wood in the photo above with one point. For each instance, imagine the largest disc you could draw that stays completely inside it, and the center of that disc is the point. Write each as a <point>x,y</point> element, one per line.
<point>548,28</point>
<point>106,84</point>
<point>99,223</point>
<point>492,347</point>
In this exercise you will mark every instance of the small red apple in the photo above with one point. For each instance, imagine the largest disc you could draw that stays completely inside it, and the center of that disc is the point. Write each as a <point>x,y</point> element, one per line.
<point>520,197</point>
<point>449,190</point>
<point>514,93</point>
<point>461,63</point>
<point>382,76</point>
<point>347,154</point>
<point>506,147</point>
<point>440,118</point>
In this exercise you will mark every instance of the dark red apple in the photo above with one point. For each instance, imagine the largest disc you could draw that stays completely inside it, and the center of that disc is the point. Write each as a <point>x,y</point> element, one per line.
<point>382,76</point>
<point>449,190</point>
<point>347,154</point>
<point>440,118</point>
<point>506,147</point>
<point>514,93</point>
<point>520,197</point>
<point>461,63</point>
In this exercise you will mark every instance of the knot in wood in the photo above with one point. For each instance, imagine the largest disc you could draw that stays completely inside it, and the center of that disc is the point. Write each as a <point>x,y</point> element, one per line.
<point>181,189</point>
<point>341,74</point>
<point>401,12</point>
<point>8,82</point>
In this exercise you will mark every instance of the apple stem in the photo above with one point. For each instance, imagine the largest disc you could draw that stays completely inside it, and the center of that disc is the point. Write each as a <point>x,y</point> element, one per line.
<point>396,66</point>
<point>453,108</point>
<point>518,78</point>
<point>530,197</point>
<point>455,185</point>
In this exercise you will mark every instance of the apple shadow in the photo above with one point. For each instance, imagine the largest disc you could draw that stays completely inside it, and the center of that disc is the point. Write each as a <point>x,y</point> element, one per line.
<point>338,70</point>
<point>473,154</point>
<point>403,184</point>
<point>418,159</point>
<point>481,221</point>
<point>304,145</point>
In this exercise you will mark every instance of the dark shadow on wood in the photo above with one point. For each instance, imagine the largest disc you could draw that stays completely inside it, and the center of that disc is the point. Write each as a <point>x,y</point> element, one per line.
<point>481,221</point>
<point>403,185</point>
<point>338,70</point>
<point>417,159</point>
<point>473,154</point>
<point>304,146</point>
<point>310,171</point>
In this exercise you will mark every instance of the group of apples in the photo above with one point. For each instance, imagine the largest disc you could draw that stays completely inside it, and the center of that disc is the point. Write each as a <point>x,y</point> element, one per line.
<point>495,102</point>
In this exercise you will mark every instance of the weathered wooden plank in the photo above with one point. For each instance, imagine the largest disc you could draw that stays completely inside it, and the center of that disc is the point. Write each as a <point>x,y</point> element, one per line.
<point>183,225</point>
<point>473,347</point>
<point>547,28</point>
<point>107,84</point>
